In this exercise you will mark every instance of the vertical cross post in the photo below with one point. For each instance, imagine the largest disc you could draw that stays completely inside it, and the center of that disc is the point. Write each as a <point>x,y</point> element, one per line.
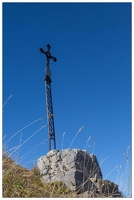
<point>49,105</point>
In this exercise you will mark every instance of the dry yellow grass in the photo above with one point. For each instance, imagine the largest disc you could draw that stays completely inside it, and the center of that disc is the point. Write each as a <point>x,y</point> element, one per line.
<point>21,182</point>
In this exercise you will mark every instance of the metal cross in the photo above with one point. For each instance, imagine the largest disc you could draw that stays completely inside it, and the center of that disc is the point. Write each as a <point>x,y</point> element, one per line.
<point>49,105</point>
<point>48,55</point>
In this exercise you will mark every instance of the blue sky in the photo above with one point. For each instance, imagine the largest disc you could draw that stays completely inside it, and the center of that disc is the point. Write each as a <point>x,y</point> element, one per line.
<point>91,80</point>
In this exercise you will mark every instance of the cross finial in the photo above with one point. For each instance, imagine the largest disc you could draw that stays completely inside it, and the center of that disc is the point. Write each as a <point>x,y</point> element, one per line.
<point>48,46</point>
<point>47,53</point>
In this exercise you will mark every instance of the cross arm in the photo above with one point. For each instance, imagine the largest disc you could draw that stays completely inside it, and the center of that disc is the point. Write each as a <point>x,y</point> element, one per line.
<point>47,53</point>
<point>54,59</point>
<point>42,51</point>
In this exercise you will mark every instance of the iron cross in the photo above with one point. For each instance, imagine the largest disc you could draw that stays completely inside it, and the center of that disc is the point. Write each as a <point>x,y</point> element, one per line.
<point>48,55</point>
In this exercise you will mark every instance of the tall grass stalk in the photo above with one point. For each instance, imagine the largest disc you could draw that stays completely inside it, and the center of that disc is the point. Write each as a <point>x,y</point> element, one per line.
<point>24,128</point>
<point>87,142</point>
<point>27,155</point>
<point>62,140</point>
<point>111,172</point>
<point>118,175</point>
<point>14,149</point>
<point>7,100</point>
<point>19,143</point>
<point>4,137</point>
<point>128,174</point>
<point>80,129</point>
<point>28,139</point>
<point>24,156</point>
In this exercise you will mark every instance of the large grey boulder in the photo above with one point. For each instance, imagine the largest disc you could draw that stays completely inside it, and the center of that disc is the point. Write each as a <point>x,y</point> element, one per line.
<point>74,167</point>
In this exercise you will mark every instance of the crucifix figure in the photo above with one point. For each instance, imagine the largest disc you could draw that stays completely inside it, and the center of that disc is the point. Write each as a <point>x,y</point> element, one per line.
<point>49,105</point>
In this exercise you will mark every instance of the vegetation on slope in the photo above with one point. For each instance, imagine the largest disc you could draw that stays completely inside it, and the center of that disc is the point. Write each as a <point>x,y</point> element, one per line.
<point>21,182</point>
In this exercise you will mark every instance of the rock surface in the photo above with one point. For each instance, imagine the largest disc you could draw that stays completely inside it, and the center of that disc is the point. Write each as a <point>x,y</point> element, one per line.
<point>77,169</point>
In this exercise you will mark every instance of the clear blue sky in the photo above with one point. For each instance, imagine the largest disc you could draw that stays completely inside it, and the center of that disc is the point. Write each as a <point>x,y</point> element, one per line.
<point>91,80</point>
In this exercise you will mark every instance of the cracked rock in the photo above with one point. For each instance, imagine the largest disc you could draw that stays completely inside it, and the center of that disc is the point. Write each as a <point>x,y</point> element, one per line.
<point>73,167</point>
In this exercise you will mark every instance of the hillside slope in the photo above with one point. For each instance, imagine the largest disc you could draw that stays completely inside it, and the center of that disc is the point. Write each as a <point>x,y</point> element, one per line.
<point>21,182</point>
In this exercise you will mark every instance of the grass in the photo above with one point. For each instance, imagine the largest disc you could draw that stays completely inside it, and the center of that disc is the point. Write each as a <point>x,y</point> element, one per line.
<point>21,182</point>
